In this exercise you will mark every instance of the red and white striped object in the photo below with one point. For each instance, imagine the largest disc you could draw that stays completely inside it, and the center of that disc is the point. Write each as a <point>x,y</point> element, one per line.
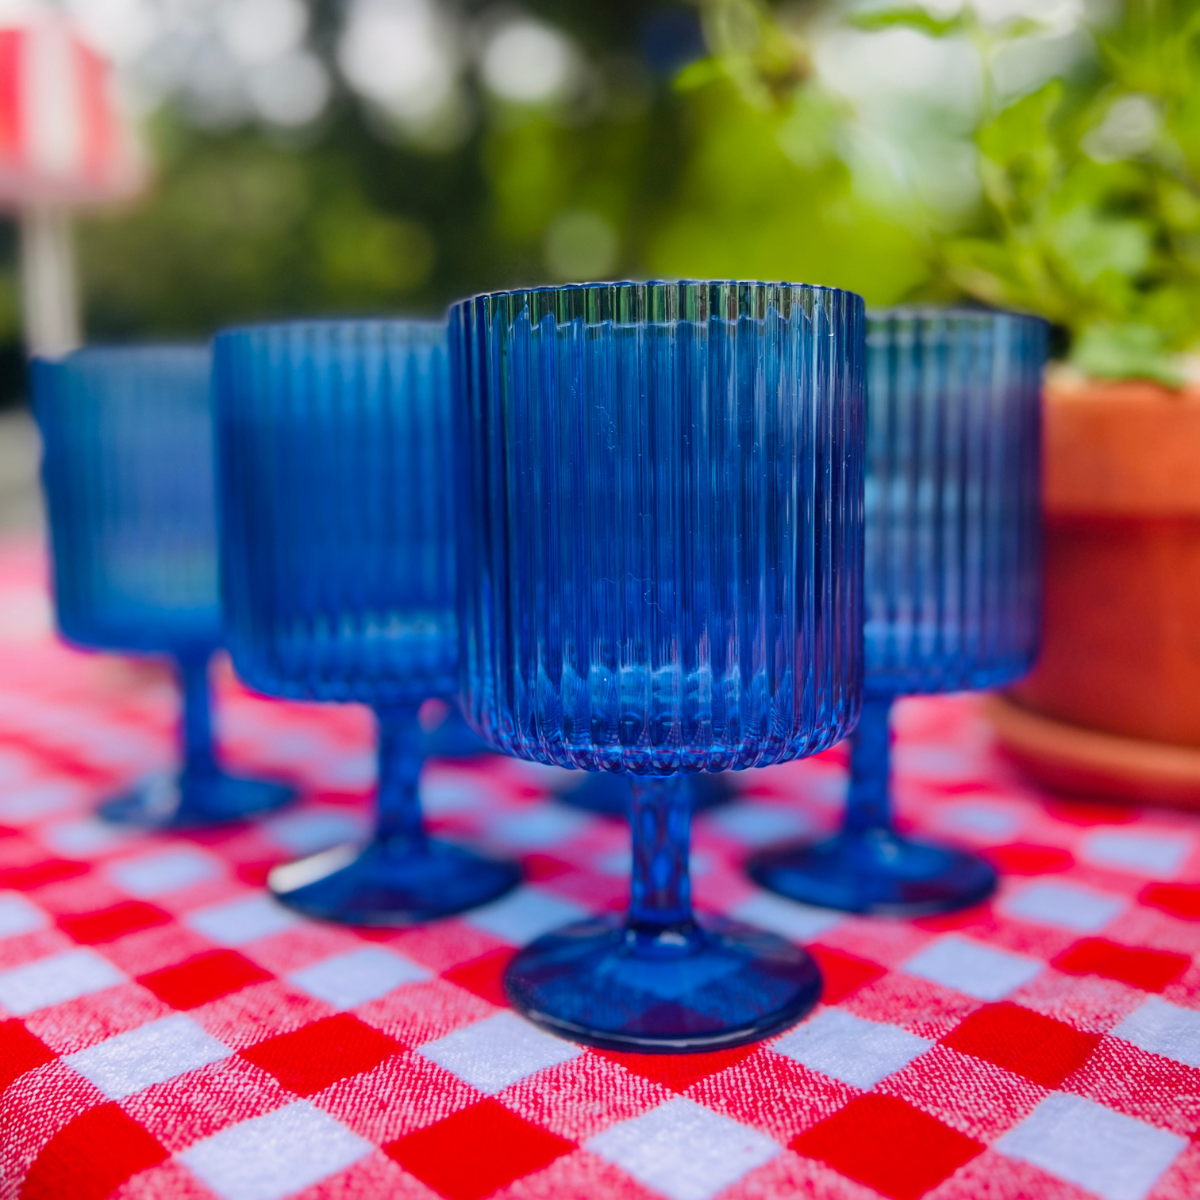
<point>63,137</point>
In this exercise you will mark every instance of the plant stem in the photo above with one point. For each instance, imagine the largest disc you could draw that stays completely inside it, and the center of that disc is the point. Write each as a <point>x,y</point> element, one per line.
<point>869,803</point>
<point>401,756</point>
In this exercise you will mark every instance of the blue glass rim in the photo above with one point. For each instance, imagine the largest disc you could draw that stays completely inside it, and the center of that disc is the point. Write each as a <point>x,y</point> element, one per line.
<point>113,352</point>
<point>661,288</point>
<point>303,325</point>
<point>930,314</point>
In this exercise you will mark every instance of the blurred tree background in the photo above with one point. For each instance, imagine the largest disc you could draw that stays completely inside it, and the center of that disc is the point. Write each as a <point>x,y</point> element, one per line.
<point>342,156</point>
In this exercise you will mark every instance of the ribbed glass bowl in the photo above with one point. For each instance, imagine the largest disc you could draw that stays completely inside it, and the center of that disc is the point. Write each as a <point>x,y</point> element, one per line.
<point>663,522</point>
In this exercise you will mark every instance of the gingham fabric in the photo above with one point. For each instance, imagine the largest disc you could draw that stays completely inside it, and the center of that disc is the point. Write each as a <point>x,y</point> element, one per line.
<point>166,1031</point>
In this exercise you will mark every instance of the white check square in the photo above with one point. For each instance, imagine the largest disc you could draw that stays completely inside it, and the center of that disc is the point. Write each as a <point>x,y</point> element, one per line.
<point>537,827</point>
<point>18,916</point>
<point>789,919</point>
<point>1158,855</point>
<point>846,1047</point>
<point>36,801</point>
<point>55,980</point>
<point>1084,1143</point>
<point>525,914</point>
<point>684,1150</point>
<point>348,980</point>
<point>239,922</point>
<point>267,1158</point>
<point>498,1051</point>
<point>315,829</point>
<point>168,871</point>
<point>980,818</point>
<point>755,824</point>
<point>1065,906</point>
<point>973,968</point>
<point>1161,1028</point>
<point>84,837</point>
<point>152,1053</point>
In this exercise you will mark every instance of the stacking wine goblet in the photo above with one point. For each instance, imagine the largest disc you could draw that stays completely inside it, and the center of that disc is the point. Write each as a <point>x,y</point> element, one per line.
<point>128,475</point>
<point>952,582</point>
<point>337,505</point>
<point>660,573</point>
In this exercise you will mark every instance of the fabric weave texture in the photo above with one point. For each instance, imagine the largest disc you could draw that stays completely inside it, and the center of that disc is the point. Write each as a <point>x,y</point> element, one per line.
<point>166,1030</point>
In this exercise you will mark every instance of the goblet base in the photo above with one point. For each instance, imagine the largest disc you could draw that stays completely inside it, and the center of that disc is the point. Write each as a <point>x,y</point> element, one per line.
<point>183,802</point>
<point>878,872</point>
<point>608,794</point>
<point>380,884</point>
<point>606,983</point>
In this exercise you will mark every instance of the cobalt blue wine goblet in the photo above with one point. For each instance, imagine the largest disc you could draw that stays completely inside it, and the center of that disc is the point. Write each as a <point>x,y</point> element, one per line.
<point>337,564</point>
<point>128,475</point>
<point>952,582</point>
<point>660,574</point>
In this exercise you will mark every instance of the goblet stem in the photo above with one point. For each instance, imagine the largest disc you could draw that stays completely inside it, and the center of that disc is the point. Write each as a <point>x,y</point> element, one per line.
<point>869,802</point>
<point>661,886</point>
<point>195,724</point>
<point>398,819</point>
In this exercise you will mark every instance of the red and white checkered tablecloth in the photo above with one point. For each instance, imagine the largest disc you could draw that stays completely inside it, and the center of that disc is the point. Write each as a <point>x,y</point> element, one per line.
<point>168,1033</point>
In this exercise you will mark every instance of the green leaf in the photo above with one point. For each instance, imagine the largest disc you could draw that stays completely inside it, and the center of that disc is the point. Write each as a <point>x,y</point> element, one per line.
<point>912,17</point>
<point>1129,351</point>
<point>1023,127</point>
<point>1091,245</point>
<point>699,74</point>
<point>1020,27</point>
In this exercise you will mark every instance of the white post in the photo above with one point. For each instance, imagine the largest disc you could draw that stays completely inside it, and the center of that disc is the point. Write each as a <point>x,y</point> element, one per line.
<point>49,296</point>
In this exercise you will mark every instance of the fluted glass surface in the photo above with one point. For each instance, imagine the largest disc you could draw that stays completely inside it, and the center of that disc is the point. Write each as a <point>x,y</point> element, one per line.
<point>660,567</point>
<point>128,474</point>
<point>952,580</point>
<point>338,547</point>
<point>952,583</point>
<point>337,566</point>
<point>662,542</point>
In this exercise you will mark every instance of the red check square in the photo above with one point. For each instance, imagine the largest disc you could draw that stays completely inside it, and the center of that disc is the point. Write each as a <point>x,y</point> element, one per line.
<point>484,976</point>
<point>1024,1042</point>
<point>1181,900</point>
<point>843,973</point>
<point>311,1058</point>
<point>35,875</point>
<point>108,924</point>
<point>203,978</point>
<point>1023,858</point>
<point>679,1071</point>
<point>888,1145</point>
<point>90,1157</point>
<point>1150,970</point>
<point>476,1151</point>
<point>20,1051</point>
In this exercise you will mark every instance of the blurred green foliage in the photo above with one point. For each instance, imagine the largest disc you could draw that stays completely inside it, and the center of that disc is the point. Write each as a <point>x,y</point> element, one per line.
<point>736,165</point>
<point>1090,209</point>
<point>645,174</point>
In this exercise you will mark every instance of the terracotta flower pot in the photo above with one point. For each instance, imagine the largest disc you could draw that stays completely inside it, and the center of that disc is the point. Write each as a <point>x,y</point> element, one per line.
<point>1113,706</point>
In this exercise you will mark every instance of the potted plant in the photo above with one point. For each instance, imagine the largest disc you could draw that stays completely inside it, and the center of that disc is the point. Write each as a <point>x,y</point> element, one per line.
<point>1091,217</point>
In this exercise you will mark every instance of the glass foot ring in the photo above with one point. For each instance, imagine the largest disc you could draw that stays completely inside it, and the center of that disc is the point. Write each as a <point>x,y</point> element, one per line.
<point>384,885</point>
